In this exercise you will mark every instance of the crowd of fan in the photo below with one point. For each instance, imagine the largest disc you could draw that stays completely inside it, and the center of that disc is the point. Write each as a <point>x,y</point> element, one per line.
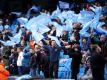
<point>29,57</point>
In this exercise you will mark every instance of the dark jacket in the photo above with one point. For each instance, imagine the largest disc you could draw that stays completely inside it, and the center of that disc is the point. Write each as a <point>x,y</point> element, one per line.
<point>97,60</point>
<point>54,53</point>
<point>104,50</point>
<point>33,61</point>
<point>76,56</point>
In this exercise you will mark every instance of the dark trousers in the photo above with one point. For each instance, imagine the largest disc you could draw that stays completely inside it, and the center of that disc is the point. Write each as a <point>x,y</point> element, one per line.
<point>54,69</point>
<point>20,70</point>
<point>75,71</point>
<point>46,70</point>
<point>13,70</point>
<point>26,70</point>
<point>98,73</point>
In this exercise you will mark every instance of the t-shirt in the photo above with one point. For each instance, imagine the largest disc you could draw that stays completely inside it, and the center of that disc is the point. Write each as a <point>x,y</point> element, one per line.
<point>20,58</point>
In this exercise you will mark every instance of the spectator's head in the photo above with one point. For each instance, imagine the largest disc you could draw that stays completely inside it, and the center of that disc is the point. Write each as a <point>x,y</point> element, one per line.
<point>76,44</point>
<point>12,50</point>
<point>1,22</point>
<point>104,27</point>
<point>19,49</point>
<point>31,50</point>
<point>53,43</point>
<point>22,42</point>
<point>1,59</point>
<point>48,41</point>
<point>95,47</point>
<point>42,42</point>
<point>64,32</point>
<point>97,3</point>
<point>103,38</point>
<point>84,40</point>
<point>37,48</point>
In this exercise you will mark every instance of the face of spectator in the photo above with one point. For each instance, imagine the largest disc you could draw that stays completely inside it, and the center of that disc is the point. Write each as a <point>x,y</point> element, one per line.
<point>37,48</point>
<point>22,43</point>
<point>31,50</point>
<point>64,32</point>
<point>12,50</point>
<point>40,43</point>
<point>97,4</point>
<point>47,42</point>
<point>84,41</point>
<point>53,28</point>
<point>1,61</point>
<point>103,17</point>
<point>18,50</point>
<point>102,38</point>
<point>1,22</point>
<point>75,31</point>
<point>53,43</point>
<point>105,28</point>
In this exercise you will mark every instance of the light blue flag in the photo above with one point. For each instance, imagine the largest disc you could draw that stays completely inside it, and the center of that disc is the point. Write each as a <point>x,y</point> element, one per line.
<point>43,29</point>
<point>8,43</point>
<point>1,27</point>
<point>63,16</point>
<point>85,34</point>
<point>35,8</point>
<point>85,16</point>
<point>64,70</point>
<point>41,20</point>
<point>17,37</point>
<point>63,5</point>
<point>70,15</point>
<point>99,28</point>
<point>13,40</point>
<point>56,39</point>
<point>95,21</point>
<point>102,31</point>
<point>22,20</point>
<point>86,26</point>
<point>56,13</point>
<point>37,36</point>
<point>68,26</point>
<point>6,27</point>
<point>17,13</point>
<point>59,28</point>
<point>96,9</point>
<point>23,77</point>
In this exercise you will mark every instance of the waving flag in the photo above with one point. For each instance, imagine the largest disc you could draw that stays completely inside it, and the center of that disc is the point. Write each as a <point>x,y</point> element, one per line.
<point>41,20</point>
<point>37,36</point>
<point>99,28</point>
<point>56,13</point>
<point>59,28</point>
<point>22,20</point>
<point>56,39</point>
<point>17,37</point>
<point>8,43</point>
